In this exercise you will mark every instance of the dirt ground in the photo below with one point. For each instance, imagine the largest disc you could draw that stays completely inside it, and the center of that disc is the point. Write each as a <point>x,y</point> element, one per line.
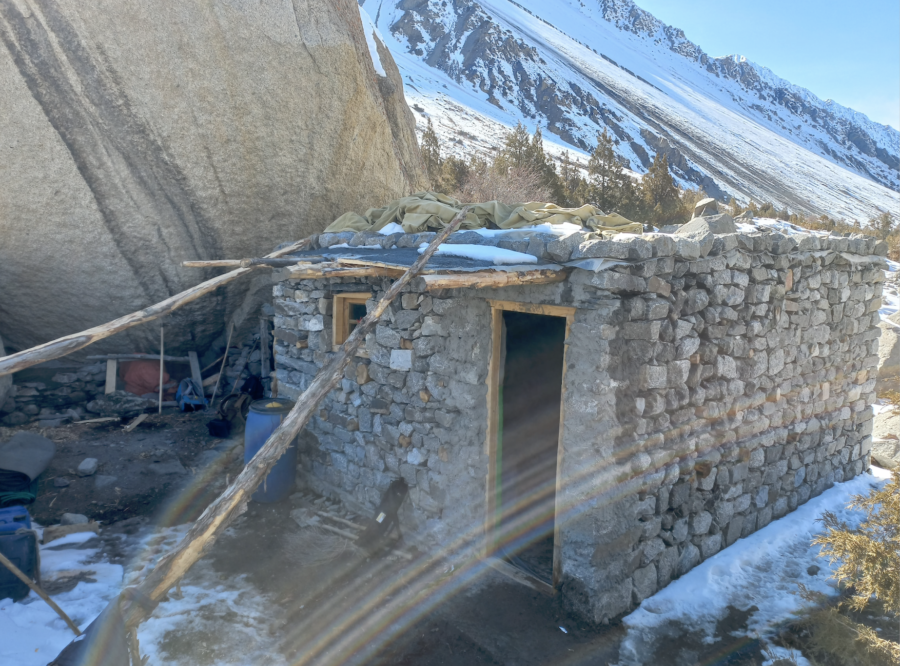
<point>331,603</point>
<point>138,470</point>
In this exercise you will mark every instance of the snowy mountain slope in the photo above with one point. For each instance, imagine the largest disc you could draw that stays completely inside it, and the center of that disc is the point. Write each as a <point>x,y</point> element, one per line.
<point>575,67</point>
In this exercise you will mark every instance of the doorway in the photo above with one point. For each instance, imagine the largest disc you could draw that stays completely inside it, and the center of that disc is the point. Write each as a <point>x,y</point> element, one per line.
<point>528,396</point>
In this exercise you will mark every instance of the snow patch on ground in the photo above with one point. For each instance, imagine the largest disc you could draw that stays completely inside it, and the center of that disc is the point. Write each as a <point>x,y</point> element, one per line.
<point>762,570</point>
<point>213,623</point>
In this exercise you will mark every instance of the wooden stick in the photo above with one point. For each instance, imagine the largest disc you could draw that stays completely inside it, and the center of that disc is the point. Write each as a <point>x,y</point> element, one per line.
<point>211,364</point>
<point>162,354</point>
<point>71,343</point>
<point>246,263</point>
<point>349,523</point>
<point>137,357</point>
<point>246,359</point>
<point>222,369</point>
<point>112,372</point>
<point>139,419</point>
<point>337,530</point>
<point>354,537</point>
<point>102,419</point>
<point>232,502</point>
<point>264,346</point>
<point>134,648</point>
<point>38,591</point>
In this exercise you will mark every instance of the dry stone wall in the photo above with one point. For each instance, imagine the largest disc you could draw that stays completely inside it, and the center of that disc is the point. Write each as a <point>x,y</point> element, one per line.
<point>712,385</point>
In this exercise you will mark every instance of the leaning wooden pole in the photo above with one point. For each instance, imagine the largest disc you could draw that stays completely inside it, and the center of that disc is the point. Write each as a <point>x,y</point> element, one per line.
<point>71,343</point>
<point>135,602</point>
<point>38,591</point>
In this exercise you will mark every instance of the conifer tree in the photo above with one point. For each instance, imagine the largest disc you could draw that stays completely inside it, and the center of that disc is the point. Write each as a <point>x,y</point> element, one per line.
<point>431,154</point>
<point>610,188</point>
<point>517,151</point>
<point>659,192</point>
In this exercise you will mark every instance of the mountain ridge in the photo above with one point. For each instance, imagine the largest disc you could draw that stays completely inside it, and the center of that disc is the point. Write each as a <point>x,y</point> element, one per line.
<point>730,125</point>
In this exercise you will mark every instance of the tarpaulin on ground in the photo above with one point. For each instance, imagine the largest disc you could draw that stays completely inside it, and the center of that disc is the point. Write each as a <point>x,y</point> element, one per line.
<point>430,211</point>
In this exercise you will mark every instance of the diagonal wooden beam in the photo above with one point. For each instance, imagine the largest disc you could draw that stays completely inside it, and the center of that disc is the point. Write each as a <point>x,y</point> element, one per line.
<point>232,502</point>
<point>71,343</point>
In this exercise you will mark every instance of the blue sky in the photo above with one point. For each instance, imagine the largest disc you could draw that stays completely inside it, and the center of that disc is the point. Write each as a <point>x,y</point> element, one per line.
<point>845,51</point>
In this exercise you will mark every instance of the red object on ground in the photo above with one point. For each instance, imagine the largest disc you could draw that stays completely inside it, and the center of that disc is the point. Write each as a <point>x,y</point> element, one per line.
<point>142,377</point>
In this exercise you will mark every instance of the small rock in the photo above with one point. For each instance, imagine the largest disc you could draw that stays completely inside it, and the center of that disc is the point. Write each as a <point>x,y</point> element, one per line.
<point>73,519</point>
<point>415,457</point>
<point>60,482</point>
<point>813,570</point>
<point>87,467</point>
<point>103,480</point>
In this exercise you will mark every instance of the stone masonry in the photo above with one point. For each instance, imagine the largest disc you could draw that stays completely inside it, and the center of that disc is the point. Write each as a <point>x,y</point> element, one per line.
<point>712,384</point>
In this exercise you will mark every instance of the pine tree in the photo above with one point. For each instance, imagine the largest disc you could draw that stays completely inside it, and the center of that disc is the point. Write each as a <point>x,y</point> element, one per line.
<point>883,225</point>
<point>659,192</point>
<point>517,151</point>
<point>431,154</point>
<point>869,567</point>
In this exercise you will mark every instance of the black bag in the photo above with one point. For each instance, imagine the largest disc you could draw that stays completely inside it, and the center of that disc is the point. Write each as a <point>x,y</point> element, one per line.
<point>385,518</point>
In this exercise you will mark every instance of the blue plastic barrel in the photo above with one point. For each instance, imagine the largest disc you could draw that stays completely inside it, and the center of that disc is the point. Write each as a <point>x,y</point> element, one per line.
<point>264,417</point>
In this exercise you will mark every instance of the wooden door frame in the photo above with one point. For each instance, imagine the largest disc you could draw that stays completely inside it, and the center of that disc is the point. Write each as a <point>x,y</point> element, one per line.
<point>490,445</point>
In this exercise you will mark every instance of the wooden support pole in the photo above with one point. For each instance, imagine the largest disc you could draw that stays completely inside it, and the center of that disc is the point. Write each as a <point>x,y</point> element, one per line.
<point>247,263</point>
<point>137,357</point>
<point>71,343</point>
<point>264,346</point>
<point>232,502</point>
<point>38,591</point>
<point>224,361</point>
<point>162,353</point>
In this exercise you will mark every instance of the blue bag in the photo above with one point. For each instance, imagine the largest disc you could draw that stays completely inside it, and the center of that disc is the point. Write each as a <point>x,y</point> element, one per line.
<point>190,397</point>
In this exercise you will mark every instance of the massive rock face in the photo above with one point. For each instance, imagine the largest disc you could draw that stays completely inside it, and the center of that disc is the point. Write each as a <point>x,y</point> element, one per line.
<point>139,135</point>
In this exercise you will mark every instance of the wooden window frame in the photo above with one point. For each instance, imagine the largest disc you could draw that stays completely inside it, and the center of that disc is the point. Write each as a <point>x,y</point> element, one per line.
<point>340,321</point>
<point>490,445</point>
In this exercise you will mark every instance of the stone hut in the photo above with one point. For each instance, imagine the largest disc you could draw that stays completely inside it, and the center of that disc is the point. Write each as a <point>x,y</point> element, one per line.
<point>601,413</point>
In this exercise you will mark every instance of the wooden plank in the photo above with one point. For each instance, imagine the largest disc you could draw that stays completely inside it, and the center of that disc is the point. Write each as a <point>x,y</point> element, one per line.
<point>491,279</point>
<point>311,271</point>
<point>195,368</point>
<point>137,357</point>
<point>139,419</point>
<point>112,373</point>
<point>520,576</point>
<point>102,419</point>
<point>247,263</point>
<point>533,308</point>
<point>490,442</point>
<point>264,346</point>
<point>232,502</point>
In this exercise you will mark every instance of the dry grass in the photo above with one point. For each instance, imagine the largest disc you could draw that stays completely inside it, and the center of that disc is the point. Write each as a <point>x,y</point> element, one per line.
<point>510,186</point>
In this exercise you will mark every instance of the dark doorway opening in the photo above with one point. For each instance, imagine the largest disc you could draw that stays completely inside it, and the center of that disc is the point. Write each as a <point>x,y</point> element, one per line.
<point>529,395</point>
